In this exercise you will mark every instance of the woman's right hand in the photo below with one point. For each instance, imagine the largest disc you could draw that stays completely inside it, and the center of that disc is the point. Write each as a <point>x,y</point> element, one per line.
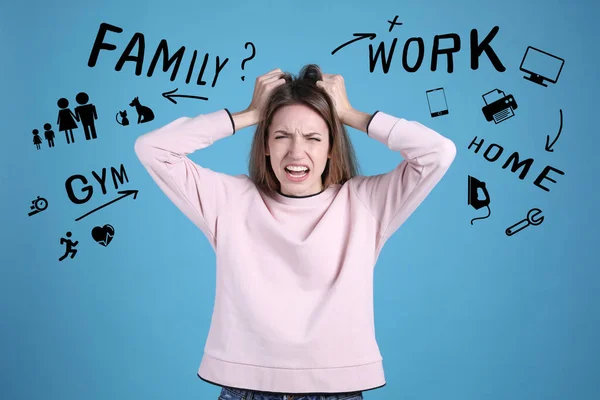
<point>263,87</point>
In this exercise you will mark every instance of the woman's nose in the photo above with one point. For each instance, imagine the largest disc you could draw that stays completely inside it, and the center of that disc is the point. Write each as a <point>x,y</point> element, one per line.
<point>297,146</point>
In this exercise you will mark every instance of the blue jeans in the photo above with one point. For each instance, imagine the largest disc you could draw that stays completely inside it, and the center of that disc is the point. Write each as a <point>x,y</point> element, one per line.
<point>230,393</point>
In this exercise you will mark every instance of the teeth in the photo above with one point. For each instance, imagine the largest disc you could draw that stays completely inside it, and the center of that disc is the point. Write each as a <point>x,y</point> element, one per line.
<point>297,174</point>
<point>297,169</point>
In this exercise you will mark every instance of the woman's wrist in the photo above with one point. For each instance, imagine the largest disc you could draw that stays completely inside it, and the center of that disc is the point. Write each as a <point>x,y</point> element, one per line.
<point>245,118</point>
<point>356,119</point>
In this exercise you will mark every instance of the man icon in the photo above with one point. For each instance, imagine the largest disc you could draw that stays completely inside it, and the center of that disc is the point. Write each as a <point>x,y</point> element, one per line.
<point>86,113</point>
<point>70,244</point>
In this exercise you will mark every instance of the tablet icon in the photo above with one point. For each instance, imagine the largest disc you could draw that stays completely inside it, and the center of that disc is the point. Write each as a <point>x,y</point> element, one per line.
<point>498,106</point>
<point>436,99</point>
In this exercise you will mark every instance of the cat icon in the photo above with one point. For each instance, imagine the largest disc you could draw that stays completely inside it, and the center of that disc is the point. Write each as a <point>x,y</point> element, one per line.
<point>123,118</point>
<point>145,114</point>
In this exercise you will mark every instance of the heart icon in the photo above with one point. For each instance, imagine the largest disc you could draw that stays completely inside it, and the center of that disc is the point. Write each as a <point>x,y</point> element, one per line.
<point>103,234</point>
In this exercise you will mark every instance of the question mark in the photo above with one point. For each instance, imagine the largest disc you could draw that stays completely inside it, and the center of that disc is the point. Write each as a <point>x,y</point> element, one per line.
<point>248,58</point>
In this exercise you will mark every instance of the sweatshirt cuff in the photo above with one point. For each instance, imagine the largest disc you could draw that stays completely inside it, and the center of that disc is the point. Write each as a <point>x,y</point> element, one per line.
<point>232,122</point>
<point>216,124</point>
<point>381,125</point>
<point>369,122</point>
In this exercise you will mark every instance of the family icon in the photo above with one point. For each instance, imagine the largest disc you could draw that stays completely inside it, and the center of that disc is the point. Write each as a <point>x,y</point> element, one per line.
<point>67,121</point>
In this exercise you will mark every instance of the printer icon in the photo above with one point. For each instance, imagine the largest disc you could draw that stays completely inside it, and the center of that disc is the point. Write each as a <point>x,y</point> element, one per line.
<point>498,106</point>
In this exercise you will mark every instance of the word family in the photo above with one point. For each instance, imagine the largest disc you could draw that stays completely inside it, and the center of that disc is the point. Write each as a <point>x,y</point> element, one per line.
<point>137,40</point>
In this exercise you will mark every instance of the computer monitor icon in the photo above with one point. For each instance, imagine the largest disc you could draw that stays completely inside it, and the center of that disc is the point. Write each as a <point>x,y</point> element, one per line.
<point>541,66</point>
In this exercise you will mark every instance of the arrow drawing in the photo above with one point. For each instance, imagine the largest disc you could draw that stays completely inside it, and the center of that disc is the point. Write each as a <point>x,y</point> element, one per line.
<point>361,36</point>
<point>169,96</point>
<point>125,193</point>
<point>549,146</point>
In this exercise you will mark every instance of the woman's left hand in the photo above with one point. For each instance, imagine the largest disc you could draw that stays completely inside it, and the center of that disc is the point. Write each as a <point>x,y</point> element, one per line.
<point>333,84</point>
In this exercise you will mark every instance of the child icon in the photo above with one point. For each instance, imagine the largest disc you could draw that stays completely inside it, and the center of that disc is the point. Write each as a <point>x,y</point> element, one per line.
<point>36,138</point>
<point>66,119</point>
<point>70,247</point>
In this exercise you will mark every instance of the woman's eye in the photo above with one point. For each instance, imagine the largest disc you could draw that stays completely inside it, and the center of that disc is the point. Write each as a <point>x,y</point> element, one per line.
<point>283,137</point>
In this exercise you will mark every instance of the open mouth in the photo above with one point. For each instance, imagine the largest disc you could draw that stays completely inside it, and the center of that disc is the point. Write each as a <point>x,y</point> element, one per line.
<point>296,175</point>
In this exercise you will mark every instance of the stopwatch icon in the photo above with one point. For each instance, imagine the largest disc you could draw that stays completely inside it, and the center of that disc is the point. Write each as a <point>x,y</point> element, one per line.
<point>37,205</point>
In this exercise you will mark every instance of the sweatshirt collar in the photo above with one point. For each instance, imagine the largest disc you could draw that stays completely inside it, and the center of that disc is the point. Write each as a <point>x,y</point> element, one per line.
<point>308,200</point>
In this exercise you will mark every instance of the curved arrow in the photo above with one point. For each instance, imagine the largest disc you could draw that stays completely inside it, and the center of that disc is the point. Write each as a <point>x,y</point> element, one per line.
<point>125,193</point>
<point>361,36</point>
<point>169,96</point>
<point>549,146</point>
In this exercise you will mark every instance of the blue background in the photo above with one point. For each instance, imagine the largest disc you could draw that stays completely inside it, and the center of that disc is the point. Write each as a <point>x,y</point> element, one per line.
<point>462,311</point>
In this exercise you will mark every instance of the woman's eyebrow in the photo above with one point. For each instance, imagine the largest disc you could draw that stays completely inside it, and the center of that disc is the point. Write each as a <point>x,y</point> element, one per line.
<point>305,134</point>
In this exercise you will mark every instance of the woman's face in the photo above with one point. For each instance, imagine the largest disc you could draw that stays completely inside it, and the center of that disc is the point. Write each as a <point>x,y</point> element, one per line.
<point>298,136</point>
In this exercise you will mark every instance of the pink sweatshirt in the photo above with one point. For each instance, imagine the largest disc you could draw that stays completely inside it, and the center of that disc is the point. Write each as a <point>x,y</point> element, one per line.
<point>293,309</point>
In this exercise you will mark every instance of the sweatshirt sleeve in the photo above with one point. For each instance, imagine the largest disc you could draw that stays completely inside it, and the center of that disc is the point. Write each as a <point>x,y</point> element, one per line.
<point>200,193</point>
<point>392,197</point>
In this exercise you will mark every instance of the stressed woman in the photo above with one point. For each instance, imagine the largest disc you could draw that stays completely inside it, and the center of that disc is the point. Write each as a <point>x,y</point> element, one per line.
<point>296,240</point>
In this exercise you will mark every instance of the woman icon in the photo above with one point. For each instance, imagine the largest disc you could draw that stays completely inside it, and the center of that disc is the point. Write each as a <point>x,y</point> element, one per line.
<point>66,119</point>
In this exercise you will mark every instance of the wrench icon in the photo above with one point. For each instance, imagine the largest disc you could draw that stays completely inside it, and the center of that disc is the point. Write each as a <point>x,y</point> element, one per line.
<point>524,223</point>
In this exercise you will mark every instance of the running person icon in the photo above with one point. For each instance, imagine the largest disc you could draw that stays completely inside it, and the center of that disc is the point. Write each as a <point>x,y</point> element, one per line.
<point>70,247</point>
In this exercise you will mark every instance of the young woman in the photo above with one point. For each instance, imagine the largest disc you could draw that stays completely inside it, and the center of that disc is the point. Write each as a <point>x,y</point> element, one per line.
<point>297,240</point>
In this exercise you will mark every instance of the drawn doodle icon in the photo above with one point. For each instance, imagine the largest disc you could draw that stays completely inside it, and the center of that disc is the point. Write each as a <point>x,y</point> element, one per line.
<point>533,218</point>
<point>248,58</point>
<point>549,145</point>
<point>103,234</point>
<point>86,114</point>
<point>124,121</point>
<point>48,135</point>
<point>145,114</point>
<point>123,193</point>
<point>498,106</point>
<point>37,140</point>
<point>541,66</point>
<point>66,120</point>
<point>38,205</point>
<point>69,247</point>
<point>359,36</point>
<point>474,185</point>
<point>171,96</point>
<point>394,23</point>
<point>436,98</point>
